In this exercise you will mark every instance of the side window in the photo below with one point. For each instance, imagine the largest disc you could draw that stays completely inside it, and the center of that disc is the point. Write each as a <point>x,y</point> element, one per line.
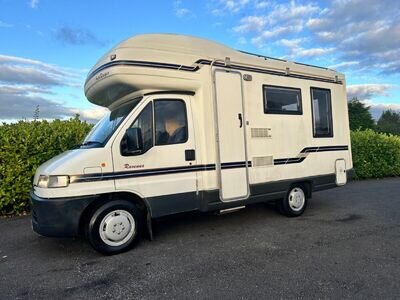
<point>145,122</point>
<point>282,100</point>
<point>322,112</point>
<point>170,122</point>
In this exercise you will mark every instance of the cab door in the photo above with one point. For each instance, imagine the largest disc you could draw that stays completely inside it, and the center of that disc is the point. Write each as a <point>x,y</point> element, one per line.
<point>163,172</point>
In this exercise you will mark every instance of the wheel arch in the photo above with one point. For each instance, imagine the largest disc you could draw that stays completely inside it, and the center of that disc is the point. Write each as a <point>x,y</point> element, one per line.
<point>139,201</point>
<point>307,184</point>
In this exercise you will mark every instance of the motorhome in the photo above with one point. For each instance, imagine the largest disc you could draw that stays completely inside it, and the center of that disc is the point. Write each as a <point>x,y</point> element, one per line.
<point>193,126</point>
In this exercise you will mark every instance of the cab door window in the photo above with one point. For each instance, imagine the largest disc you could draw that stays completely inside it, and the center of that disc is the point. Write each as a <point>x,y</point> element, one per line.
<point>145,123</point>
<point>170,122</point>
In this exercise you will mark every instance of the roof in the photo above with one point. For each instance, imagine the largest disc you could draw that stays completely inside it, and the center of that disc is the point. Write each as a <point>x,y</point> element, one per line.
<point>206,49</point>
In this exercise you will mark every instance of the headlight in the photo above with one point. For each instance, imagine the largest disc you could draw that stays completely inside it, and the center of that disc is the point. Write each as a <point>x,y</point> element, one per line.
<point>53,181</point>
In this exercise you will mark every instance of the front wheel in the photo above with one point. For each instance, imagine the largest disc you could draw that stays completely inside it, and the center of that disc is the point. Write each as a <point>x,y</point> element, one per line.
<point>115,227</point>
<point>295,201</point>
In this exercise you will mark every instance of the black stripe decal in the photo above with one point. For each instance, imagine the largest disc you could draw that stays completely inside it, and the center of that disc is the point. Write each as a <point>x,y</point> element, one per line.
<point>196,168</point>
<point>195,67</point>
<point>303,154</point>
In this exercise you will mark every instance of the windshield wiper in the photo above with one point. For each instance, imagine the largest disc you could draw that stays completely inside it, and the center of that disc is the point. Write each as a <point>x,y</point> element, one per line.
<point>88,143</point>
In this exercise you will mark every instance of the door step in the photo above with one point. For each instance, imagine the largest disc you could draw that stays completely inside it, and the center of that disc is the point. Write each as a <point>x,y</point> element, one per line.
<point>230,210</point>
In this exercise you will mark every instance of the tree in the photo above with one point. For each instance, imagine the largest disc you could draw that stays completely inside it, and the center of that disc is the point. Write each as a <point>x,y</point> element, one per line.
<point>36,113</point>
<point>389,122</point>
<point>359,115</point>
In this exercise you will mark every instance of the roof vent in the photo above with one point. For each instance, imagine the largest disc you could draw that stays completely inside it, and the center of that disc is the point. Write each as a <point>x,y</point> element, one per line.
<point>227,62</point>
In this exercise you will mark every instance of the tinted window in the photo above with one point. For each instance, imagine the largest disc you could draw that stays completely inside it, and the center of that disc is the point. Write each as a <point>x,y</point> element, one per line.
<point>322,112</point>
<point>282,100</point>
<point>170,122</point>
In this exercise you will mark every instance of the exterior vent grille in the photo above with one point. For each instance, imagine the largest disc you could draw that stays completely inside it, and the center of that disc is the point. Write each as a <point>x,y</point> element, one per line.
<point>262,161</point>
<point>261,132</point>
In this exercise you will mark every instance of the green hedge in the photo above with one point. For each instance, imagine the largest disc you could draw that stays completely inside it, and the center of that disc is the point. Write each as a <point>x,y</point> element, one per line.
<point>375,154</point>
<point>26,145</point>
<point>23,147</point>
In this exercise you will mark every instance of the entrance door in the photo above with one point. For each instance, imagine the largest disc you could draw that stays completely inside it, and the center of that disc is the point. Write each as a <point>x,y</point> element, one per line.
<point>231,139</point>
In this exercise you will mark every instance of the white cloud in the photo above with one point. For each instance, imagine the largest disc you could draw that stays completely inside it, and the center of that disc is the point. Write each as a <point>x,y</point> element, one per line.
<point>34,3</point>
<point>262,4</point>
<point>250,23</point>
<point>313,52</point>
<point>275,32</point>
<point>377,109</point>
<point>344,64</point>
<point>5,25</point>
<point>223,7</point>
<point>19,70</point>
<point>293,43</point>
<point>91,114</point>
<point>26,83</point>
<point>181,11</point>
<point>367,91</point>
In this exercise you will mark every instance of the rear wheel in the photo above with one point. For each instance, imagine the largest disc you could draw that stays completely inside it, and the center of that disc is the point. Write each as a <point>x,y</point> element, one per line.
<point>295,201</point>
<point>115,227</point>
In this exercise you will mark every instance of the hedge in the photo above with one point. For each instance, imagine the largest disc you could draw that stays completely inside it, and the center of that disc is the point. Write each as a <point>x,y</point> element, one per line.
<point>26,145</point>
<point>375,154</point>
<point>23,147</point>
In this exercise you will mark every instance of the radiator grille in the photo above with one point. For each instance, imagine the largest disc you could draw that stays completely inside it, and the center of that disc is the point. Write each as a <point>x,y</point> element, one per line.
<point>262,161</point>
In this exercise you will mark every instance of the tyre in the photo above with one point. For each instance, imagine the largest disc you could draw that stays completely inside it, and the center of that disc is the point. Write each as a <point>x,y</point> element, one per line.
<point>115,227</point>
<point>295,201</point>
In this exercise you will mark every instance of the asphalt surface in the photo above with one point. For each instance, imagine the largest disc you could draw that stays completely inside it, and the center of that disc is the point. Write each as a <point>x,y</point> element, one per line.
<point>346,245</point>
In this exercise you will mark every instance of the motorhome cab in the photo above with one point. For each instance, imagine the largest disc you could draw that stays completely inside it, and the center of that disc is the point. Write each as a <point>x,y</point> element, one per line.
<point>193,126</point>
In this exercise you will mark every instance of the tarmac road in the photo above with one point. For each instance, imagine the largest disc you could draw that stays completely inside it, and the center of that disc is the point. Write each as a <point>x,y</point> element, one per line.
<point>346,245</point>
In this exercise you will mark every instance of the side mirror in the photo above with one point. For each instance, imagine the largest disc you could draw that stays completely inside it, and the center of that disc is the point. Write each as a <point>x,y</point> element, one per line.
<point>134,141</point>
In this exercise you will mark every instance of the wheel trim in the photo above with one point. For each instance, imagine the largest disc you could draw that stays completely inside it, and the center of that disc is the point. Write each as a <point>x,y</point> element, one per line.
<point>296,199</point>
<point>117,228</point>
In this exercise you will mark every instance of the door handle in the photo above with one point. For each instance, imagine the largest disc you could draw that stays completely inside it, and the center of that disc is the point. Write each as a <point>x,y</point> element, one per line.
<point>241,120</point>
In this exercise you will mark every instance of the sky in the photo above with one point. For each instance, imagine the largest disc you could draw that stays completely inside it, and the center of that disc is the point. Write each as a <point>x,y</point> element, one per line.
<point>48,46</point>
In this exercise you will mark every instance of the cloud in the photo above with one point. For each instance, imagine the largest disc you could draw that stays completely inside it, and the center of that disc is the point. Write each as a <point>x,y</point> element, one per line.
<point>74,36</point>
<point>18,70</point>
<point>275,32</point>
<point>5,25</point>
<point>250,23</point>
<point>344,65</point>
<point>262,4</point>
<point>367,91</point>
<point>22,106</point>
<point>91,114</point>
<point>377,109</point>
<point>363,31</point>
<point>33,3</point>
<point>291,44</point>
<point>368,32</point>
<point>313,52</point>
<point>228,6</point>
<point>181,11</point>
<point>279,20</point>
<point>20,102</point>
<point>27,83</point>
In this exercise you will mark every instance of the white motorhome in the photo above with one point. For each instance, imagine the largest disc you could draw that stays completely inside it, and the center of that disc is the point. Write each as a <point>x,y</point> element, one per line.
<point>193,126</point>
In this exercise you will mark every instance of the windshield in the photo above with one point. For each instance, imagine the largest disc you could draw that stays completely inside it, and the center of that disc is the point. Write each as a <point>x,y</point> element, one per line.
<point>103,130</point>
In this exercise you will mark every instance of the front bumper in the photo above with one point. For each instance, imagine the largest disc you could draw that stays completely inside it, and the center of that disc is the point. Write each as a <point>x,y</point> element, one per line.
<point>58,217</point>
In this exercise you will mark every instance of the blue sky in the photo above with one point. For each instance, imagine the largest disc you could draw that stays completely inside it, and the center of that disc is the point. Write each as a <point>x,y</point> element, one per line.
<point>47,46</point>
